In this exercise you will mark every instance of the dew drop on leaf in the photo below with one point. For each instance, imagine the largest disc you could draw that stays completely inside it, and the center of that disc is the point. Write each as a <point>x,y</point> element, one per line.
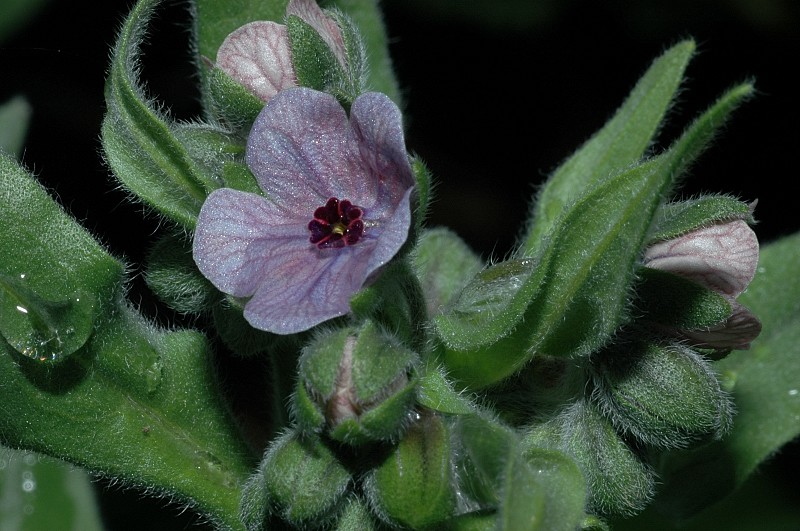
<point>41,328</point>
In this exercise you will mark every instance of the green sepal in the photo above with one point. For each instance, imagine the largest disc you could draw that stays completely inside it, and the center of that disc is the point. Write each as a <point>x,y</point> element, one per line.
<point>314,63</point>
<point>619,482</point>
<point>238,176</point>
<point>676,302</point>
<point>435,391</point>
<point>302,480</point>
<point>368,17</point>
<point>664,395</point>
<point>414,486</point>
<point>678,218</point>
<point>231,102</point>
<point>570,301</point>
<point>531,488</point>
<point>621,142</point>
<point>422,197</point>
<point>173,276</point>
<point>356,75</point>
<point>356,516</point>
<point>139,141</point>
<point>485,520</point>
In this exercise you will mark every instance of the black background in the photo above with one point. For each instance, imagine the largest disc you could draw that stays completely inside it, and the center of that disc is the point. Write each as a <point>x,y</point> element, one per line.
<point>495,98</point>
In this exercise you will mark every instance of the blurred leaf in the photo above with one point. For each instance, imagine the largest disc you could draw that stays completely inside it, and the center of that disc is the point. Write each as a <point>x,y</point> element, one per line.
<point>38,492</point>
<point>14,14</point>
<point>14,117</point>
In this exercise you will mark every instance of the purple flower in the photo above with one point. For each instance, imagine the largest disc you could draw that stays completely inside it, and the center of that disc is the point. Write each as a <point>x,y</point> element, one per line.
<point>336,207</point>
<point>723,258</point>
<point>258,55</point>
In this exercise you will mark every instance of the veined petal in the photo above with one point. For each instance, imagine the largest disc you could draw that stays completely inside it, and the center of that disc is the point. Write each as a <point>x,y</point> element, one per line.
<point>310,13</point>
<point>393,233</point>
<point>257,56</point>
<point>378,125</point>
<point>721,257</point>
<point>307,287</point>
<point>302,151</point>
<point>229,224</point>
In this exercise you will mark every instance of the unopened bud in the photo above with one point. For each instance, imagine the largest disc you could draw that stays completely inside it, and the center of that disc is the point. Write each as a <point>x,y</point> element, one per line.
<point>357,384</point>
<point>665,395</point>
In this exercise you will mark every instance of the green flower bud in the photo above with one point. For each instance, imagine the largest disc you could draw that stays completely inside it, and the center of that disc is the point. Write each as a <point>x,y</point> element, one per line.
<point>356,384</point>
<point>301,479</point>
<point>620,483</point>
<point>665,395</point>
<point>414,486</point>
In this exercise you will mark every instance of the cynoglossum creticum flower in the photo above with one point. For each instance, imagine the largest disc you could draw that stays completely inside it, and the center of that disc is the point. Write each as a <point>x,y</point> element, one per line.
<point>336,207</point>
<point>258,54</point>
<point>721,257</point>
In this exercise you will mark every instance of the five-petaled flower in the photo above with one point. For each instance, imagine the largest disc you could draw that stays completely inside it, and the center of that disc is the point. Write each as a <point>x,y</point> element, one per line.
<point>336,207</point>
<point>258,54</point>
<point>721,257</point>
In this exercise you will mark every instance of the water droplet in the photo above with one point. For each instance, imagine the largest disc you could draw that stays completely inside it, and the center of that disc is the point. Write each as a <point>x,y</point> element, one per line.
<point>793,392</point>
<point>41,328</point>
<point>28,485</point>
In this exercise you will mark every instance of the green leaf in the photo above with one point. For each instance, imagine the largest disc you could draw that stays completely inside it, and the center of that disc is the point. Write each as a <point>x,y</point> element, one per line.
<point>140,143</point>
<point>133,403</point>
<point>620,143</point>
<point>444,264</point>
<point>577,294</point>
<point>55,280</point>
<point>14,117</point>
<point>37,492</point>
<point>764,384</point>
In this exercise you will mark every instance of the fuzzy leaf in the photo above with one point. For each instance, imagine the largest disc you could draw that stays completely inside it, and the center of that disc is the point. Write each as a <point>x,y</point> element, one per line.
<point>133,403</point>
<point>620,143</point>
<point>577,293</point>
<point>139,141</point>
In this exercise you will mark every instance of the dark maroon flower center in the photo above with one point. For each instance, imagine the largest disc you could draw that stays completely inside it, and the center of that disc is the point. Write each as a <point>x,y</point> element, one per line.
<point>336,224</point>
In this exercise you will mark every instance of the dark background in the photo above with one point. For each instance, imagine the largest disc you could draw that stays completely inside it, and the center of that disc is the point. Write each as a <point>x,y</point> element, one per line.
<point>497,93</point>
